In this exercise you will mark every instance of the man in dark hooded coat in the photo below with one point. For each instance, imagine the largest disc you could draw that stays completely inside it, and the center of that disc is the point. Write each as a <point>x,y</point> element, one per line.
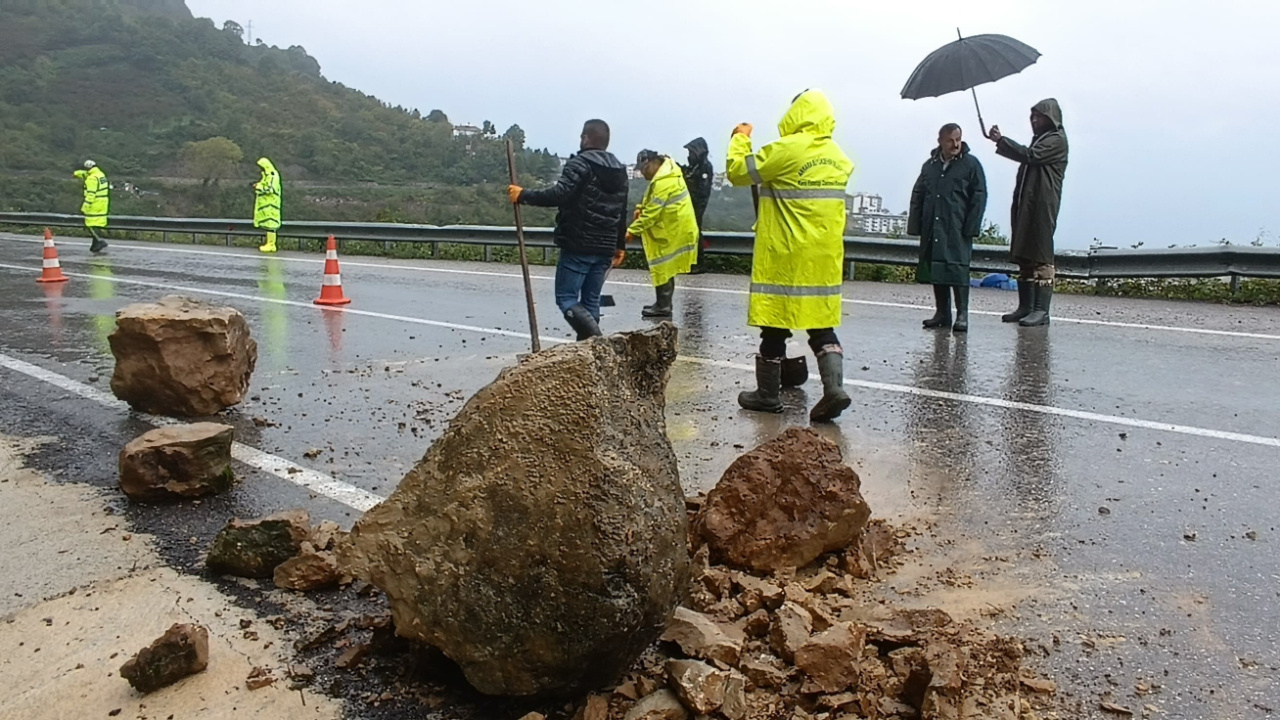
<point>699,175</point>
<point>1036,200</point>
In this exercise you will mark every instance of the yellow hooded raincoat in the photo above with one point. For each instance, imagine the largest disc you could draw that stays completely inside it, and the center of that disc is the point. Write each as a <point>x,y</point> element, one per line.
<point>266,207</point>
<point>667,225</point>
<point>97,197</point>
<point>797,268</point>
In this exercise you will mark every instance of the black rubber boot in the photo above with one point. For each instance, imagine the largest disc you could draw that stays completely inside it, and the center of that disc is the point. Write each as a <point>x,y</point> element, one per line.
<point>582,322</point>
<point>835,399</point>
<point>661,308</point>
<point>942,301</point>
<point>98,244</point>
<point>795,372</point>
<point>768,384</point>
<point>1039,314</point>
<point>1026,296</point>
<point>962,308</point>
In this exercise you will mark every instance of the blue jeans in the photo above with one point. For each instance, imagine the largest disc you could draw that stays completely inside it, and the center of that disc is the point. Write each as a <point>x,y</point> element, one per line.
<point>579,279</point>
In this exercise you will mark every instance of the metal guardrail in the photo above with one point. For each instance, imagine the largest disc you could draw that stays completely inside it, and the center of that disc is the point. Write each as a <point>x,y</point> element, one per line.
<point>1195,262</point>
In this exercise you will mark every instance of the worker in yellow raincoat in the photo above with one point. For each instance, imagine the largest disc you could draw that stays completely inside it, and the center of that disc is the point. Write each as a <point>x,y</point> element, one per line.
<point>266,206</point>
<point>798,258</point>
<point>667,226</point>
<point>97,203</point>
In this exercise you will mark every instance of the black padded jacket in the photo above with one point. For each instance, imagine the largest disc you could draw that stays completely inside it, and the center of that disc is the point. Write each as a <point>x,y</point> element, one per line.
<point>592,197</point>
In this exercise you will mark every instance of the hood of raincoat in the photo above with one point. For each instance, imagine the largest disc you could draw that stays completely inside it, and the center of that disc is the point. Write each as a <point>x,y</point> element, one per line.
<point>265,164</point>
<point>669,168</point>
<point>1050,109</point>
<point>698,149</point>
<point>810,113</point>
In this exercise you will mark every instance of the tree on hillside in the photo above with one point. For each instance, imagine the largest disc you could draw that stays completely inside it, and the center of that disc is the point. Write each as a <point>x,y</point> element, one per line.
<point>489,130</point>
<point>437,116</point>
<point>516,136</point>
<point>211,160</point>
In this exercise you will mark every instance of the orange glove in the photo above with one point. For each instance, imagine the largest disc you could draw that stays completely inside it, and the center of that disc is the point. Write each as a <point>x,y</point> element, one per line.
<point>743,129</point>
<point>618,257</point>
<point>513,192</point>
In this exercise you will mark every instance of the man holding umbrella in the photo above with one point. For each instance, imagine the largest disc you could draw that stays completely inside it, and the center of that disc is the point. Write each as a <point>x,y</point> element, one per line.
<point>1037,196</point>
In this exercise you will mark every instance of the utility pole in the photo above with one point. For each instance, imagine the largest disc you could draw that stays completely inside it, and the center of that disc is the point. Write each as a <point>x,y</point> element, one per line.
<point>249,29</point>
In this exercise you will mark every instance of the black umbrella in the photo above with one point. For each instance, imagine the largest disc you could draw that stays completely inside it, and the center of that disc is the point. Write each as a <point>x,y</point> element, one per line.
<point>968,63</point>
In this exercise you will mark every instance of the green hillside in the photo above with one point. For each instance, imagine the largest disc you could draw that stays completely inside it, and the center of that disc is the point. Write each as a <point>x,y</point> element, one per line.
<point>131,83</point>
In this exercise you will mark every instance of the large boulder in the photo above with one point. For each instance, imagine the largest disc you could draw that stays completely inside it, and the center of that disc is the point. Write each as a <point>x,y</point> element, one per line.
<point>181,357</point>
<point>183,461</point>
<point>784,504</point>
<point>541,542</point>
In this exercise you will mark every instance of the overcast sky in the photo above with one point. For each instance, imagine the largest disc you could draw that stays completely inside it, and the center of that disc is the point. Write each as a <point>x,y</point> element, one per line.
<point>1169,105</point>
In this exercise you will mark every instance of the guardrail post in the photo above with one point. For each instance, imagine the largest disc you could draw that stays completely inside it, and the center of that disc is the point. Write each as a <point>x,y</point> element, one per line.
<point>488,253</point>
<point>386,247</point>
<point>849,268</point>
<point>227,238</point>
<point>546,256</point>
<point>435,250</point>
<point>1235,285</point>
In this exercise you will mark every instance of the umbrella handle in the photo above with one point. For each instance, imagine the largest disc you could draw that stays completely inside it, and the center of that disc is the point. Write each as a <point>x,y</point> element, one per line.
<point>977,107</point>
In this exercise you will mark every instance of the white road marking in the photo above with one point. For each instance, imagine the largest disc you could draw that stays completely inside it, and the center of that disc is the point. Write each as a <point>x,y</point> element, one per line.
<point>317,482</point>
<point>865,384</point>
<point>722,291</point>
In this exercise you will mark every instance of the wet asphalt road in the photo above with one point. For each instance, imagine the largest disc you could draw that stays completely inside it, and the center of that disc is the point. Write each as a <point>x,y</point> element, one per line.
<point>1063,473</point>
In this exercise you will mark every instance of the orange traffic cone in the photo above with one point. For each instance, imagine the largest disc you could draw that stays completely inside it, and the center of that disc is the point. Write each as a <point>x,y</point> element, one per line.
<point>331,290</point>
<point>52,272</point>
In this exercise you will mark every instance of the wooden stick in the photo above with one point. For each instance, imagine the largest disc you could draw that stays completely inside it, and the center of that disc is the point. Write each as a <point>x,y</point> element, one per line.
<point>524,257</point>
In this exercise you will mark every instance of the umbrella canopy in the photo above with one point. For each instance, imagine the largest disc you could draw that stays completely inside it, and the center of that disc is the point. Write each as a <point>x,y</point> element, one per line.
<point>968,63</point>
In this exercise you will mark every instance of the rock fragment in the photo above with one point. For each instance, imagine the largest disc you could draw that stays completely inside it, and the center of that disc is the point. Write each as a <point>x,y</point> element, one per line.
<point>181,357</point>
<point>661,705</point>
<point>182,651</point>
<point>700,687</point>
<point>254,548</point>
<point>184,461</point>
<point>699,636</point>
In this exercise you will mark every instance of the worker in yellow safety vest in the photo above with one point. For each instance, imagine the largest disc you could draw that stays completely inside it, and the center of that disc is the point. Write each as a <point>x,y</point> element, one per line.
<point>667,226</point>
<point>798,258</point>
<point>266,206</point>
<point>97,202</point>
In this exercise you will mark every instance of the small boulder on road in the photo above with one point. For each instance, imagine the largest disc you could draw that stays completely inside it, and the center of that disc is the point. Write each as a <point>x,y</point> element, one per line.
<point>171,463</point>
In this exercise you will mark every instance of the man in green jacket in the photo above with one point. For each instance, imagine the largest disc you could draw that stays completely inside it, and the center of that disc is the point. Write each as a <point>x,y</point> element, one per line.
<point>947,205</point>
<point>266,206</point>
<point>1037,197</point>
<point>97,202</point>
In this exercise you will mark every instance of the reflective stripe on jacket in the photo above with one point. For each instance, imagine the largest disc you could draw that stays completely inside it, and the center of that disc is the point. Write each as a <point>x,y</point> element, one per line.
<point>97,198</point>
<point>266,207</point>
<point>667,225</point>
<point>798,260</point>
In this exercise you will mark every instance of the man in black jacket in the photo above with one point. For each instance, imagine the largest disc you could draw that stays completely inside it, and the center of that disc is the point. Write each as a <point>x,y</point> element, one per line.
<point>698,175</point>
<point>591,225</point>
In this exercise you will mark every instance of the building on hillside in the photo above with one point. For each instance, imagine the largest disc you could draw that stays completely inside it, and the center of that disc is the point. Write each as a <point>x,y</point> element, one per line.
<point>466,131</point>
<point>718,181</point>
<point>867,216</point>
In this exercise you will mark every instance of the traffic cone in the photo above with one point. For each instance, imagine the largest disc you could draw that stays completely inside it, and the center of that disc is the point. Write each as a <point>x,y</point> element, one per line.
<point>52,271</point>
<point>331,290</point>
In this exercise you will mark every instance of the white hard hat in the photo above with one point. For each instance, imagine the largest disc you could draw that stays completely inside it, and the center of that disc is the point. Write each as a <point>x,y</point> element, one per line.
<point>89,164</point>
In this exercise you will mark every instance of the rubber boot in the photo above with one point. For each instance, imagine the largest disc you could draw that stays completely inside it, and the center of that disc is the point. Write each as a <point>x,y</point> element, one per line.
<point>1039,314</point>
<point>661,308</point>
<point>795,372</point>
<point>962,308</point>
<point>835,399</point>
<point>270,245</point>
<point>941,300</point>
<point>1026,295</point>
<point>581,321</point>
<point>768,384</point>
<point>98,244</point>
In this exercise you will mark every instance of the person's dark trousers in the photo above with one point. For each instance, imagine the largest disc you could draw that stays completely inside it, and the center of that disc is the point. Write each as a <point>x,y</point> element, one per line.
<point>98,244</point>
<point>769,368</point>
<point>579,280</point>
<point>698,267</point>
<point>773,341</point>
